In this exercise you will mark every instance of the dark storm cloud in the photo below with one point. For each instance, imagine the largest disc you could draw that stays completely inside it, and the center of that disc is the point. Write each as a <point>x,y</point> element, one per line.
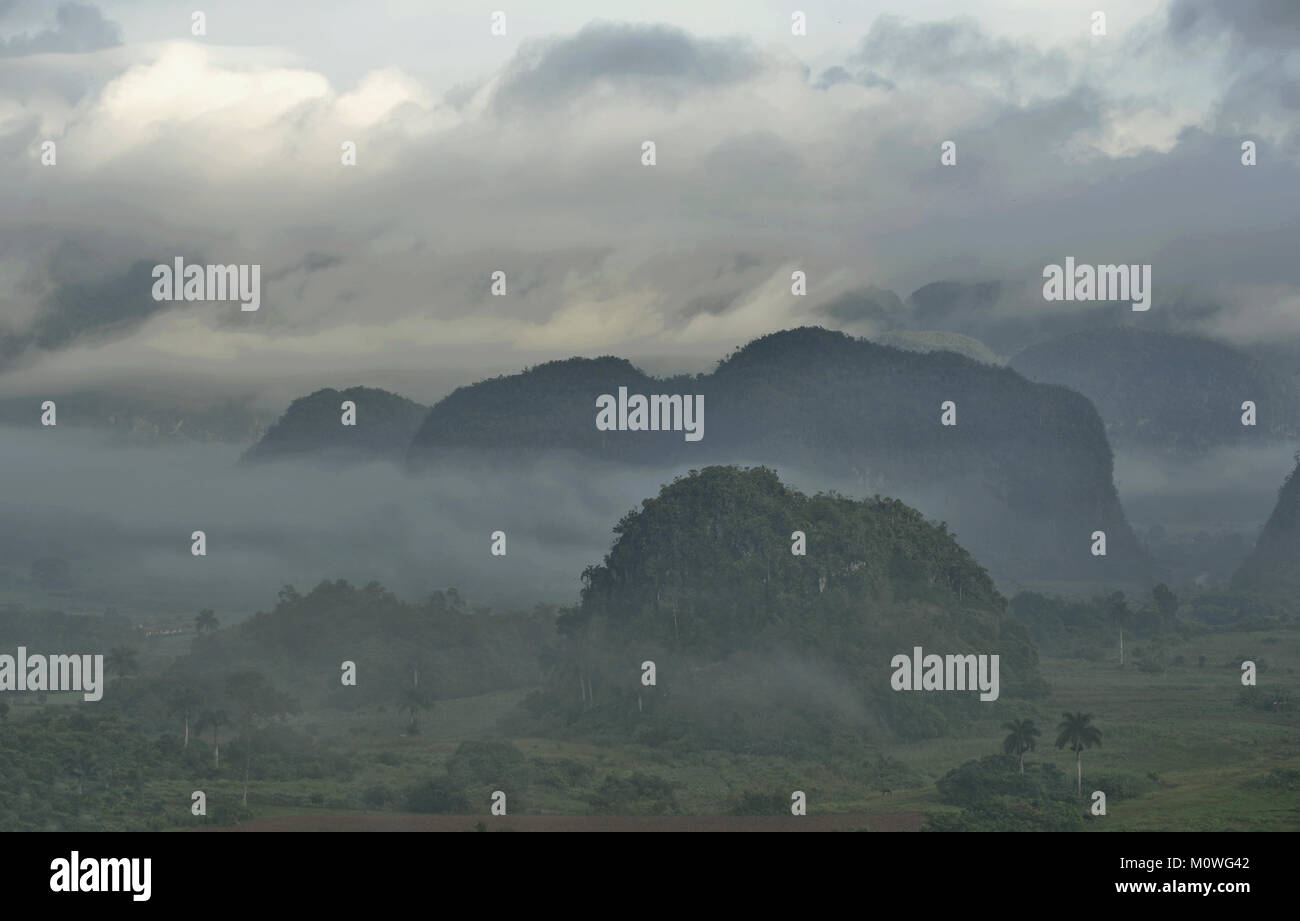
<point>880,308</point>
<point>713,304</point>
<point>833,76</point>
<point>89,294</point>
<point>954,50</point>
<point>658,60</point>
<point>80,28</point>
<point>1267,23</point>
<point>1263,34</point>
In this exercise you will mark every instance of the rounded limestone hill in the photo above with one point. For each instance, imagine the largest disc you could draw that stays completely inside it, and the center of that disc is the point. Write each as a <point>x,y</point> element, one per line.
<point>313,428</point>
<point>771,615</point>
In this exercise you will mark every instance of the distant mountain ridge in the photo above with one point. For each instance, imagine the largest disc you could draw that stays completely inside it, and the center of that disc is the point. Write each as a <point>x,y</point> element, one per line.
<point>1024,477</point>
<point>1165,392</point>
<point>312,427</point>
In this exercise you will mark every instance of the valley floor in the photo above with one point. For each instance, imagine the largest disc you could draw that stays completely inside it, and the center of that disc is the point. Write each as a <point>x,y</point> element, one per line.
<point>1198,760</point>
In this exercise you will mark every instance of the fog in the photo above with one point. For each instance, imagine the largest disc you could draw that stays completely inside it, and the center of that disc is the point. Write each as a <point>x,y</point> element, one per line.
<point>123,516</point>
<point>1228,488</point>
<point>1200,517</point>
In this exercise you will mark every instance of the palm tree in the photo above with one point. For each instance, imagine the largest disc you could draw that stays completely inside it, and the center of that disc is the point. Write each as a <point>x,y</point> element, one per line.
<point>414,700</point>
<point>1117,608</point>
<point>216,719</point>
<point>205,620</point>
<point>122,661</point>
<point>184,704</point>
<point>1077,732</point>
<point>1021,739</point>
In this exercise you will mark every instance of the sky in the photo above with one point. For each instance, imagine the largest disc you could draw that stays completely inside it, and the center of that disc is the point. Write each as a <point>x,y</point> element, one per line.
<point>522,153</point>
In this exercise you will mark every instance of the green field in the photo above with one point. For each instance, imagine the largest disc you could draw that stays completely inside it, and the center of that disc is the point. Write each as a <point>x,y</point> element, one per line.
<point>1201,759</point>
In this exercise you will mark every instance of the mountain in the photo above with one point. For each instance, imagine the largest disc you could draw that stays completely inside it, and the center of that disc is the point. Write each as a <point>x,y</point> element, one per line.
<point>1024,477</point>
<point>755,645</point>
<point>312,427</point>
<point>1271,568</point>
<point>1165,392</point>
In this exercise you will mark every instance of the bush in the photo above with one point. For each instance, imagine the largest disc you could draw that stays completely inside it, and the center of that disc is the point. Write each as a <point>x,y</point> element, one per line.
<point>438,796</point>
<point>1009,815</point>
<point>635,794</point>
<point>495,764</point>
<point>996,776</point>
<point>1278,779</point>
<point>767,803</point>
<point>564,774</point>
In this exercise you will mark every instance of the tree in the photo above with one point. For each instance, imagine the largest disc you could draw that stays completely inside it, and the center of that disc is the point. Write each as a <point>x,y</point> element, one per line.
<point>206,620</point>
<point>121,660</point>
<point>1166,601</point>
<point>216,719</point>
<point>256,699</point>
<point>1023,734</point>
<point>1076,731</point>
<point>1117,610</point>
<point>184,704</point>
<point>414,700</point>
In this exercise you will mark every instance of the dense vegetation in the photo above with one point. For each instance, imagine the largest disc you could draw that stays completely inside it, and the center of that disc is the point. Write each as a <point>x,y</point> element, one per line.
<point>756,648</point>
<point>442,646</point>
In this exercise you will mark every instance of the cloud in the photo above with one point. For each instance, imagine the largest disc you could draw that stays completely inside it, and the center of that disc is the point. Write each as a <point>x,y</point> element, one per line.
<point>957,50</point>
<point>1267,23</point>
<point>232,154</point>
<point>660,62</point>
<point>80,28</point>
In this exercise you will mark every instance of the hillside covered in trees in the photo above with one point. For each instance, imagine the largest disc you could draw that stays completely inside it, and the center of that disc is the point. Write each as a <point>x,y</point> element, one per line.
<point>442,646</point>
<point>312,427</point>
<point>1024,476</point>
<point>757,647</point>
<point>1164,392</point>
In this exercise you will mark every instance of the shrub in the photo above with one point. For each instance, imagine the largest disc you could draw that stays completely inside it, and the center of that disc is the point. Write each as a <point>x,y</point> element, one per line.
<point>1009,815</point>
<point>635,794</point>
<point>765,803</point>
<point>437,795</point>
<point>996,776</point>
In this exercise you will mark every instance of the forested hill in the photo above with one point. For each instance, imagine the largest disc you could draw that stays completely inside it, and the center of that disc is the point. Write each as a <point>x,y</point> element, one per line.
<point>1167,393</point>
<point>312,427</point>
<point>1273,567</point>
<point>549,407</point>
<point>1024,477</point>
<point>753,642</point>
